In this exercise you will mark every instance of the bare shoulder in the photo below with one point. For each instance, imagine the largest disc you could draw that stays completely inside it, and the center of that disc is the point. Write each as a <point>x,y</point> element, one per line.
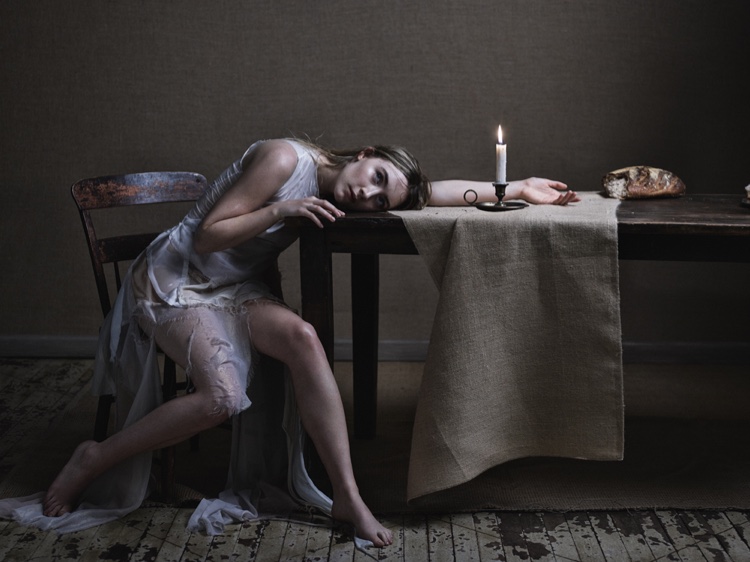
<point>275,158</point>
<point>265,169</point>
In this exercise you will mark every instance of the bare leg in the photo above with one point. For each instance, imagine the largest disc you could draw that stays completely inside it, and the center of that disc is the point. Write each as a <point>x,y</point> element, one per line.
<point>171,423</point>
<point>276,332</point>
<point>281,334</point>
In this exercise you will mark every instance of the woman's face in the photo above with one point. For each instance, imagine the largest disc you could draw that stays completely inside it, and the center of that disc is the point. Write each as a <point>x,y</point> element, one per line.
<point>370,184</point>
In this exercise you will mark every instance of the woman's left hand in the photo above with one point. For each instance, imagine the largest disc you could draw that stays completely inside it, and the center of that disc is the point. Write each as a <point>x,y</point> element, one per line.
<point>541,191</point>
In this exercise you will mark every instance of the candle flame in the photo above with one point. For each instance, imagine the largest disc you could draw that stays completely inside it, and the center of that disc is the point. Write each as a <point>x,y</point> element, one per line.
<point>499,135</point>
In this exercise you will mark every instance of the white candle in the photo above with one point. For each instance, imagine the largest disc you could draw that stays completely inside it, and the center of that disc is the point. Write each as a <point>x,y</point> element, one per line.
<point>501,151</point>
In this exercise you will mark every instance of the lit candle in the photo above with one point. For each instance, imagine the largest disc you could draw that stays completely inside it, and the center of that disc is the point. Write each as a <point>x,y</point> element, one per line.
<point>502,156</point>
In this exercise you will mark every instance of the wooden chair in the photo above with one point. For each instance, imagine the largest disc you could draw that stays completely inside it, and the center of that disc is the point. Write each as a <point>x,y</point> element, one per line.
<point>128,190</point>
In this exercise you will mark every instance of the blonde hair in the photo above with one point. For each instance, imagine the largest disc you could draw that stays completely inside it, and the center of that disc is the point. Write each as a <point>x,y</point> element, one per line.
<point>418,186</point>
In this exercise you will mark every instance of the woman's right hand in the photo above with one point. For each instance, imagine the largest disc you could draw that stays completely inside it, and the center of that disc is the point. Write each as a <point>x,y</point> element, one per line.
<point>314,208</point>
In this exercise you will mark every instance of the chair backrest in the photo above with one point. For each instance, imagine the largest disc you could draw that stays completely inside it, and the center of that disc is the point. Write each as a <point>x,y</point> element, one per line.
<point>123,191</point>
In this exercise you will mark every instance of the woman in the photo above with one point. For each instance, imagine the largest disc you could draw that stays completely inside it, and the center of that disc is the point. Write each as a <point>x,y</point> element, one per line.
<point>197,294</point>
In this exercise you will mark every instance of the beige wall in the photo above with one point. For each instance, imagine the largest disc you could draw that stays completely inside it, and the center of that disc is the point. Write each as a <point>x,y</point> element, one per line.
<point>91,88</point>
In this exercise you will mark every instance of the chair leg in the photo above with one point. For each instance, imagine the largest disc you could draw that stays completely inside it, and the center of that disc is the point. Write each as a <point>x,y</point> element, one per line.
<point>167,472</point>
<point>195,439</point>
<point>168,454</point>
<point>169,389</point>
<point>102,417</point>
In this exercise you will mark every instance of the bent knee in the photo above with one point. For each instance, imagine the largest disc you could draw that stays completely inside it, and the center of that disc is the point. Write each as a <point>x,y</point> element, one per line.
<point>223,393</point>
<point>302,336</point>
<point>286,341</point>
<point>217,406</point>
<point>224,403</point>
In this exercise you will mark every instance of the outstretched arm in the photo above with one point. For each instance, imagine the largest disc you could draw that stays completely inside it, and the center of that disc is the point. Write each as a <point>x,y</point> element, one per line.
<point>539,191</point>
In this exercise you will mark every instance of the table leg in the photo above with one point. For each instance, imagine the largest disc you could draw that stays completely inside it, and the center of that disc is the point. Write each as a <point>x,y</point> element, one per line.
<point>365,271</point>
<point>316,278</point>
<point>317,286</point>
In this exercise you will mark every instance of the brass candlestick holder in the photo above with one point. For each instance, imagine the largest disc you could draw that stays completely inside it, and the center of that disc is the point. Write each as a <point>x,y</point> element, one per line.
<point>495,207</point>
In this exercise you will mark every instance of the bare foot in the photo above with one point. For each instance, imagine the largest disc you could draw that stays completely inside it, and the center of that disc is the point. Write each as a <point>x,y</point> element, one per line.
<point>355,512</point>
<point>71,481</point>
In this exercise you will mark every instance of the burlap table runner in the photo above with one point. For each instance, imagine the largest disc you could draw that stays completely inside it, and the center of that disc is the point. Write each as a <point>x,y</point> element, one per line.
<point>525,353</point>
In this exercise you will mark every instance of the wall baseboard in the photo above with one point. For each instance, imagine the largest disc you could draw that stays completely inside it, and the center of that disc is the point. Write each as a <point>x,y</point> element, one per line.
<point>47,346</point>
<point>728,353</point>
<point>713,353</point>
<point>696,353</point>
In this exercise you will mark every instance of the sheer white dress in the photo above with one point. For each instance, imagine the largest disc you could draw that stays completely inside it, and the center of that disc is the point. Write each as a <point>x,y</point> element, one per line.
<point>201,298</point>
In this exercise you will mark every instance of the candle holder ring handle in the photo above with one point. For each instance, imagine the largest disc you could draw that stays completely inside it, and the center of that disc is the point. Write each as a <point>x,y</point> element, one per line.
<point>466,198</point>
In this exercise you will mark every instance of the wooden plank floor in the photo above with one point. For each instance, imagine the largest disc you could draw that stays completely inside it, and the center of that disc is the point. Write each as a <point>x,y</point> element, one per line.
<point>158,533</point>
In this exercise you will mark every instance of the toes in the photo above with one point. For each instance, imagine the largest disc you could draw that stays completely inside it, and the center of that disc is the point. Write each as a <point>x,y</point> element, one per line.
<point>50,511</point>
<point>385,538</point>
<point>48,508</point>
<point>53,511</point>
<point>53,508</point>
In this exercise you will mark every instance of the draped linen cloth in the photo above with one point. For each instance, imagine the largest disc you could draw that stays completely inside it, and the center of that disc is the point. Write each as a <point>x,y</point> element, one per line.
<point>525,355</point>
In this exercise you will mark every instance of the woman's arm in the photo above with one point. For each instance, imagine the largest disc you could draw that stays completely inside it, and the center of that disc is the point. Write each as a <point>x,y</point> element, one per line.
<point>241,212</point>
<point>539,191</point>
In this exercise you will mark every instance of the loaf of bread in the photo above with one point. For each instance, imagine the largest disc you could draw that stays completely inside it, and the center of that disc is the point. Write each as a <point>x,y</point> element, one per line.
<point>642,182</point>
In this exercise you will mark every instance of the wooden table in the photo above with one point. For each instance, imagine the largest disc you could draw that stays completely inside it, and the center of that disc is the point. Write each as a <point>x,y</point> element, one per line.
<point>710,228</point>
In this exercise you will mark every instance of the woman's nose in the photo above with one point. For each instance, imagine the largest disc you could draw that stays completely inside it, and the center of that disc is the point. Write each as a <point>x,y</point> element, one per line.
<point>366,192</point>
